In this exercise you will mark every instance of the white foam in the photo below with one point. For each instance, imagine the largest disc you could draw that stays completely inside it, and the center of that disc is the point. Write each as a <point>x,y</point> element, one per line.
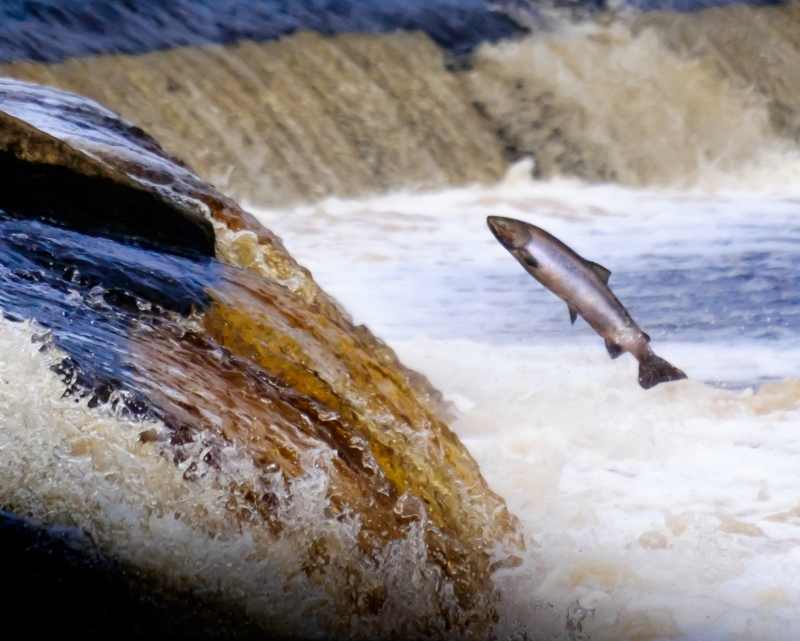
<point>62,462</point>
<point>666,513</point>
<point>604,476</point>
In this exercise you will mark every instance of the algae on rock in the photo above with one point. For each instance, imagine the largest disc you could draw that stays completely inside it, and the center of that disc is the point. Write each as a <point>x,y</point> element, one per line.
<point>284,455</point>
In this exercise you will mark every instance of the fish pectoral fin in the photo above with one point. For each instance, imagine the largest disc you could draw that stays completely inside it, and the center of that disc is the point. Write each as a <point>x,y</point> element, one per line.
<point>573,313</point>
<point>529,260</point>
<point>646,337</point>
<point>614,350</point>
<point>603,273</point>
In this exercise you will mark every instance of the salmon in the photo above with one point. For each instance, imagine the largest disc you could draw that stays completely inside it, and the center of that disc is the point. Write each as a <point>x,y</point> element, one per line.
<point>583,286</point>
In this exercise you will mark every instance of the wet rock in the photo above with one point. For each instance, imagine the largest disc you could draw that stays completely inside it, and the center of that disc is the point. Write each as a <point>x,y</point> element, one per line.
<point>217,423</point>
<point>89,595</point>
<point>112,180</point>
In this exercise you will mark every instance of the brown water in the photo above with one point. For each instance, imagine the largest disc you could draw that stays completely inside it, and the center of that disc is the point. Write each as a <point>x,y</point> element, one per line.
<point>661,99</point>
<point>301,118</point>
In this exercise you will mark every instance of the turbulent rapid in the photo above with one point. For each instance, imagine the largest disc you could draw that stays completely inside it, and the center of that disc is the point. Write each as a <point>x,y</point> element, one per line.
<point>267,457</point>
<point>203,404</point>
<point>670,513</point>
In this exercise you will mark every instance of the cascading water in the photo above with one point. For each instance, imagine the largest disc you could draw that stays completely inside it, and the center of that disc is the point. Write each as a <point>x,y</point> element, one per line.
<point>307,116</point>
<point>254,445</point>
<point>198,411</point>
<point>668,513</point>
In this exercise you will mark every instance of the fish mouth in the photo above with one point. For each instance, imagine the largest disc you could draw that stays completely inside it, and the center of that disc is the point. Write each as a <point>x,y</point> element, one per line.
<point>512,234</point>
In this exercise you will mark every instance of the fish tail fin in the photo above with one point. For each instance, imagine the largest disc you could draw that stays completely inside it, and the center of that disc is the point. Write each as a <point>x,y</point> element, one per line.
<point>654,370</point>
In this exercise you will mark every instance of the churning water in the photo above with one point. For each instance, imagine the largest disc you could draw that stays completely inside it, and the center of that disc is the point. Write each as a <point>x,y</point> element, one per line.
<point>691,267</point>
<point>669,513</point>
<point>660,514</point>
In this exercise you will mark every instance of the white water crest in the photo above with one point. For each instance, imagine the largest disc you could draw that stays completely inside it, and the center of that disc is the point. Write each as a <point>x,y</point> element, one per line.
<point>90,476</point>
<point>664,100</point>
<point>669,513</point>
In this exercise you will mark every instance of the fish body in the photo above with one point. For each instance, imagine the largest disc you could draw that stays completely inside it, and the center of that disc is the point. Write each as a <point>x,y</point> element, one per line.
<point>583,286</point>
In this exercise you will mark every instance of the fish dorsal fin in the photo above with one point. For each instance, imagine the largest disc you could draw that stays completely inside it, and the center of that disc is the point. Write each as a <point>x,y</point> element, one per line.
<point>646,337</point>
<point>614,350</point>
<point>573,313</point>
<point>601,271</point>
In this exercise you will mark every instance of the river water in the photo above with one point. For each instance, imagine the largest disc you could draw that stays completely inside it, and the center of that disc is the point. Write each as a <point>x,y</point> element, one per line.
<point>670,513</point>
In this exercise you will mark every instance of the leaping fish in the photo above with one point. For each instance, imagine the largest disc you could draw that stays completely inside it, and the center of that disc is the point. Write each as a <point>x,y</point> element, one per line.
<point>583,286</point>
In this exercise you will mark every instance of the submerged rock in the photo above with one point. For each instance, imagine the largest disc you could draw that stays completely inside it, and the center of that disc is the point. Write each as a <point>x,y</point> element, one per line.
<point>216,422</point>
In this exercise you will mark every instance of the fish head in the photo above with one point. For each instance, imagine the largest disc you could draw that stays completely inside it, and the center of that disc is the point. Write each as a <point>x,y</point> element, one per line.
<point>512,234</point>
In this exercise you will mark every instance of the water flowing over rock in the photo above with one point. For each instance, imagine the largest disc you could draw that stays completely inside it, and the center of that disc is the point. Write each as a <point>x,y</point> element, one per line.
<point>709,93</point>
<point>752,48</point>
<point>713,93</point>
<point>298,119</point>
<point>216,422</point>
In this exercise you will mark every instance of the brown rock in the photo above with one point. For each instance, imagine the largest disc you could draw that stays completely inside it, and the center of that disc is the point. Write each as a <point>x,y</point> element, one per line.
<point>274,378</point>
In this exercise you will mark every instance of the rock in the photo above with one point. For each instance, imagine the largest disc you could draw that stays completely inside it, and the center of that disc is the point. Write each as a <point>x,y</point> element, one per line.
<point>293,471</point>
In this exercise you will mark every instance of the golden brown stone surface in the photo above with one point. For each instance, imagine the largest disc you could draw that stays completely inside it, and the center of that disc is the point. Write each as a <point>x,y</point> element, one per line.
<point>271,387</point>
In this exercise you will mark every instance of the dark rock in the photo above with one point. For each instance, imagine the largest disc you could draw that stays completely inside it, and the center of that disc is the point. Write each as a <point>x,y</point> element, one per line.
<point>59,570</point>
<point>112,181</point>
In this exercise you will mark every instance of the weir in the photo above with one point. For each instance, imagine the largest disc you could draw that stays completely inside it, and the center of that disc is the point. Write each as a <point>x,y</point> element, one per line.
<point>309,116</point>
<point>298,119</point>
<point>194,430</point>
